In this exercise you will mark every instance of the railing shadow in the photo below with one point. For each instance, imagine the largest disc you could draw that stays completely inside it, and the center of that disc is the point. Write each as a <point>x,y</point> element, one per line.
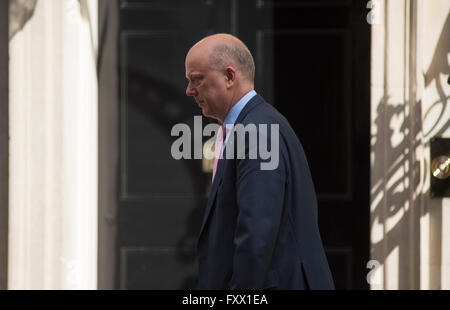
<point>397,187</point>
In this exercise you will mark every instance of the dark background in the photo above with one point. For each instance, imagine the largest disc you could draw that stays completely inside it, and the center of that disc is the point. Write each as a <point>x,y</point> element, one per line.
<point>312,63</point>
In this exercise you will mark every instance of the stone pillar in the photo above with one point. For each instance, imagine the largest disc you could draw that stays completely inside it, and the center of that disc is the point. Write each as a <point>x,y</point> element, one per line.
<point>53,148</point>
<point>4,143</point>
<point>409,230</point>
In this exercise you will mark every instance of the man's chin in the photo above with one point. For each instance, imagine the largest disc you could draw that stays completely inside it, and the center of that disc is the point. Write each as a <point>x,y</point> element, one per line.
<point>205,112</point>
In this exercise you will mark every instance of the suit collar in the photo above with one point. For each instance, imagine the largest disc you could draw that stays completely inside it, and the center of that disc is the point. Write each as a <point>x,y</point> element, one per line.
<point>248,107</point>
<point>234,112</point>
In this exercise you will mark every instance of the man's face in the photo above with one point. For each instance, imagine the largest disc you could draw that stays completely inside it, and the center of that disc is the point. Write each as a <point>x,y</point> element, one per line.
<point>206,85</point>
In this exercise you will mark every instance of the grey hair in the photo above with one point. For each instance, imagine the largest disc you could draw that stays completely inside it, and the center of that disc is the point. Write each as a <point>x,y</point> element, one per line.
<point>233,54</point>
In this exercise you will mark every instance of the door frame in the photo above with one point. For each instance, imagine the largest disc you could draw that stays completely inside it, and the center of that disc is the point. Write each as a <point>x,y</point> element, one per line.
<point>108,140</point>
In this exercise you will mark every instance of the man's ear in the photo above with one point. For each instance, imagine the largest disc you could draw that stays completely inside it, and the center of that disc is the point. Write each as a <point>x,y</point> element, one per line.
<point>230,75</point>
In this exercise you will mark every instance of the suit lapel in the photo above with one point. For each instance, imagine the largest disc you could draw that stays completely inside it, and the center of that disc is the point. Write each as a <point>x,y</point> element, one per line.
<point>221,164</point>
<point>213,192</point>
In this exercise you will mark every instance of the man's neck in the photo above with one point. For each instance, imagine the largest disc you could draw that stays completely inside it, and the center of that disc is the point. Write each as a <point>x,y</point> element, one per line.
<point>236,97</point>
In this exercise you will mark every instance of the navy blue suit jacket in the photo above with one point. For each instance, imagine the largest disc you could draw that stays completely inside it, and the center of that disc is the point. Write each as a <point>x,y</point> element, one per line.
<point>260,226</point>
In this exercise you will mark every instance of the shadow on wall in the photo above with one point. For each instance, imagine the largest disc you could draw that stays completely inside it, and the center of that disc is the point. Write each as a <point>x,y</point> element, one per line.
<point>439,66</point>
<point>395,183</point>
<point>20,12</point>
<point>386,167</point>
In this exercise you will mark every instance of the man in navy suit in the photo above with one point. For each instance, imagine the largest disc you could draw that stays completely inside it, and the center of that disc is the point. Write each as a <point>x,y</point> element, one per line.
<point>260,227</point>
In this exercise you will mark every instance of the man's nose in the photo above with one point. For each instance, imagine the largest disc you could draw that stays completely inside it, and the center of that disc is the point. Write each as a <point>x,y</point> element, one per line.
<point>189,90</point>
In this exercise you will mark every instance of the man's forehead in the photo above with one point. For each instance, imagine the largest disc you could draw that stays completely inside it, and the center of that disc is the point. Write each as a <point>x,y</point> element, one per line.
<point>196,58</point>
<point>194,65</point>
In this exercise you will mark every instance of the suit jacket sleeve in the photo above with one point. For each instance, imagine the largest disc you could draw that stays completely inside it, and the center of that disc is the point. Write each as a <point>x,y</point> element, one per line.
<point>260,196</point>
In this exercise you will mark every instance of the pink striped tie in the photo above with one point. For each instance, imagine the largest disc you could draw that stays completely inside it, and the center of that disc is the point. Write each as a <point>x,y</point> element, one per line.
<point>218,147</point>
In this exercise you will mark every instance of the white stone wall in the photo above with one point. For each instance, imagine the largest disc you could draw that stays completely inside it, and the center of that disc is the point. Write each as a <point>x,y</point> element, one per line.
<point>53,148</point>
<point>410,232</point>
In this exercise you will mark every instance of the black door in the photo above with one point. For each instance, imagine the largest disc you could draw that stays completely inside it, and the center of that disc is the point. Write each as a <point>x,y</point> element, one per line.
<point>312,60</point>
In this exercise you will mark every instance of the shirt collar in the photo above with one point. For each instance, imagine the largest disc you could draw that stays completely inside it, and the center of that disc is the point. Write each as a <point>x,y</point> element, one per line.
<point>234,112</point>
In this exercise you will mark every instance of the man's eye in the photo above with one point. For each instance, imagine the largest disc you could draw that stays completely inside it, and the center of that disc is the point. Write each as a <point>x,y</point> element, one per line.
<point>195,80</point>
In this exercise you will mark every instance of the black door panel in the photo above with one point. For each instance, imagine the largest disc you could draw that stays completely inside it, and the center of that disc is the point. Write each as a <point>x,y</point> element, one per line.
<point>312,63</point>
